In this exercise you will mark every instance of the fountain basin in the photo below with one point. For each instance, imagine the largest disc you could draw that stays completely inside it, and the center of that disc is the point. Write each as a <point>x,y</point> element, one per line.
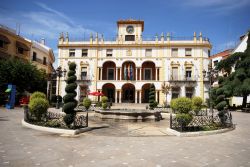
<point>129,114</point>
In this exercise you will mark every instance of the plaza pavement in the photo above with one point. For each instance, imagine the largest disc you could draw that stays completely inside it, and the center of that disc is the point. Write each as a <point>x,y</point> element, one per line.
<point>115,146</point>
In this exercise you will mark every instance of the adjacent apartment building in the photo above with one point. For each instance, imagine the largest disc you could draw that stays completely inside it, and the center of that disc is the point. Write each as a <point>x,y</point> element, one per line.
<point>16,46</point>
<point>123,68</point>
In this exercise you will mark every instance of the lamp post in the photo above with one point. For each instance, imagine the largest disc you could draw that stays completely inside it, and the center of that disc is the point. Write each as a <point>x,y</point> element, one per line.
<point>210,74</point>
<point>59,73</point>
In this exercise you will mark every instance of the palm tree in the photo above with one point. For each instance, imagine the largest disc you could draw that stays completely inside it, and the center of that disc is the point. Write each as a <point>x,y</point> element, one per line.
<point>165,89</point>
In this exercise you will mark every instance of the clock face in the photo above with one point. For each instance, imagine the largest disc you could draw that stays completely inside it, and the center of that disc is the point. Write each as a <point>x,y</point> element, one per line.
<point>130,29</point>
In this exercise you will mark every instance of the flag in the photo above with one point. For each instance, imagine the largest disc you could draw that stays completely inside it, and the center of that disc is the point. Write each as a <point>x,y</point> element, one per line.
<point>131,72</point>
<point>125,73</point>
<point>128,72</point>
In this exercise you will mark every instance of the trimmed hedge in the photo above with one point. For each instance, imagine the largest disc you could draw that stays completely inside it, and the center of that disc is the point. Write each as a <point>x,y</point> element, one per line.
<point>38,107</point>
<point>183,105</point>
<point>37,95</point>
<point>197,104</point>
<point>87,103</point>
<point>184,119</point>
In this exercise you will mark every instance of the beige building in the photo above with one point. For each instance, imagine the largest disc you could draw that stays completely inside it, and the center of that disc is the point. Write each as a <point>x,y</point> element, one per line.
<point>13,45</point>
<point>123,68</point>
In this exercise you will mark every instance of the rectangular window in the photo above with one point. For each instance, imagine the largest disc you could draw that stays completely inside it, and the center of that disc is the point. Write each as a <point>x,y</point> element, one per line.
<point>20,50</point>
<point>147,74</point>
<point>129,38</point>
<point>84,52</point>
<point>175,92</point>
<point>188,52</point>
<point>111,74</point>
<point>189,92</point>
<point>148,52</point>
<point>208,53</point>
<point>34,56</point>
<point>72,53</point>
<point>84,73</point>
<point>174,73</point>
<point>44,61</point>
<point>188,72</point>
<point>109,52</point>
<point>175,52</point>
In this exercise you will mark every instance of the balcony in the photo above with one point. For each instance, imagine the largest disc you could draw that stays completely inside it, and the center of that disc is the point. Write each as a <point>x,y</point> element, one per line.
<point>84,78</point>
<point>182,78</point>
<point>40,61</point>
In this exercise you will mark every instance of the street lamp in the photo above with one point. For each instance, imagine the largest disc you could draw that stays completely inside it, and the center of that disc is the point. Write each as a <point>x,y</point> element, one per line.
<point>210,74</point>
<point>59,73</point>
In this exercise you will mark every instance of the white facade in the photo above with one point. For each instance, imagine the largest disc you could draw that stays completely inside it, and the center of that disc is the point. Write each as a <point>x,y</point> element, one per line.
<point>107,64</point>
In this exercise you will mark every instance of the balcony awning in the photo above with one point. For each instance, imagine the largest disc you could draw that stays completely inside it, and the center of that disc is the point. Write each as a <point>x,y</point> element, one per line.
<point>21,45</point>
<point>4,39</point>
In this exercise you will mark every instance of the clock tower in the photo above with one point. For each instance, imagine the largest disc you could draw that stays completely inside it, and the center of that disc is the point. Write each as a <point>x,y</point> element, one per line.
<point>130,30</point>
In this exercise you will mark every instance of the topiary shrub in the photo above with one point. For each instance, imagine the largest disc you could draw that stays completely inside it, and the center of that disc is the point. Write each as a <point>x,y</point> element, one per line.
<point>38,107</point>
<point>183,105</point>
<point>184,119</point>
<point>197,104</point>
<point>104,102</point>
<point>104,99</point>
<point>87,103</point>
<point>173,104</point>
<point>152,97</point>
<point>69,99</point>
<point>37,95</point>
<point>104,106</point>
<point>220,106</point>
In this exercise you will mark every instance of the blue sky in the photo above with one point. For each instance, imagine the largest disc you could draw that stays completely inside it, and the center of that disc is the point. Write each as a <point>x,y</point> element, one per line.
<point>222,21</point>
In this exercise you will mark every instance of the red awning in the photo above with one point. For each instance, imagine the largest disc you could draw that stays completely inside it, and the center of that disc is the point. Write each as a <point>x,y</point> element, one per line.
<point>96,93</point>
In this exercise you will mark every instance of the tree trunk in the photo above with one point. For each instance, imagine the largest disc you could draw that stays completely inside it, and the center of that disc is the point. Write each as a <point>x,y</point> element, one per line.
<point>244,102</point>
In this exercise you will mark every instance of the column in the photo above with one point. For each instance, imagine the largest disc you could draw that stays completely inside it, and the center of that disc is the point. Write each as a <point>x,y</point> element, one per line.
<point>120,73</point>
<point>156,74</point>
<point>136,71</point>
<point>183,92</point>
<point>116,95</point>
<point>136,92</point>
<point>116,73</point>
<point>156,95</point>
<point>140,92</point>
<point>140,77</point>
<point>101,74</point>
<point>120,96</point>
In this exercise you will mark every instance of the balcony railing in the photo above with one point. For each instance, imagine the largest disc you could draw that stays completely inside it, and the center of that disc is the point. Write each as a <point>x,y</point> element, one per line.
<point>40,61</point>
<point>84,78</point>
<point>182,78</point>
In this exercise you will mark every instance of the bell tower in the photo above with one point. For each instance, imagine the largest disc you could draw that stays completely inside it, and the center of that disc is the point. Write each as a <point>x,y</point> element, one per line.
<point>130,30</point>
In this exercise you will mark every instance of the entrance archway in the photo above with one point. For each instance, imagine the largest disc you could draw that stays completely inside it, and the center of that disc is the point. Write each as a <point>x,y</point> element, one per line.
<point>145,93</point>
<point>128,93</point>
<point>108,90</point>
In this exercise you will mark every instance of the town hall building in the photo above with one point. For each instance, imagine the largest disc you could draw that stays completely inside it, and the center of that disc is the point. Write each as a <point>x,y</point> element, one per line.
<point>123,68</point>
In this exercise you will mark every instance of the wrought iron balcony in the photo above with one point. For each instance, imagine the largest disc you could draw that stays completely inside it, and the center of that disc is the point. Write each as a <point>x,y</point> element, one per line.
<point>84,78</point>
<point>182,78</point>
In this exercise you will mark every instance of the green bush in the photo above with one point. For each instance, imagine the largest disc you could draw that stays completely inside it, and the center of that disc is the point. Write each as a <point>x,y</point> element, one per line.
<point>69,99</point>
<point>183,105</point>
<point>220,106</point>
<point>104,99</point>
<point>70,88</point>
<point>69,119</point>
<point>220,98</point>
<point>173,104</point>
<point>197,104</point>
<point>152,97</point>
<point>38,107</point>
<point>37,95</point>
<point>219,91</point>
<point>53,123</point>
<point>86,102</point>
<point>184,119</point>
<point>104,106</point>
